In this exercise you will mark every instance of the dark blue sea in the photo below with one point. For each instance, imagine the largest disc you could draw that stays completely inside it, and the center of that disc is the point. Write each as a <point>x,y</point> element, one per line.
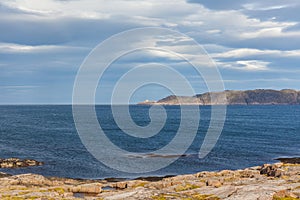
<point>252,135</point>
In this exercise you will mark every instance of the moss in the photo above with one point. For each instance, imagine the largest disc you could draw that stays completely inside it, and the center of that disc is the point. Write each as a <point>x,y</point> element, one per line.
<point>186,187</point>
<point>159,197</point>
<point>58,190</point>
<point>285,198</point>
<point>285,177</point>
<point>23,192</point>
<point>17,187</point>
<point>9,197</point>
<point>140,184</point>
<point>204,197</point>
<point>32,198</point>
<point>43,190</point>
<point>16,198</point>
<point>165,196</point>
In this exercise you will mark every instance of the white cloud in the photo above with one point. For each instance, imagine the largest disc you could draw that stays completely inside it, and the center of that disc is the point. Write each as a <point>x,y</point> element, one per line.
<point>262,80</point>
<point>271,32</point>
<point>246,65</point>
<point>259,6</point>
<point>213,31</point>
<point>245,52</point>
<point>17,48</point>
<point>253,65</point>
<point>175,14</point>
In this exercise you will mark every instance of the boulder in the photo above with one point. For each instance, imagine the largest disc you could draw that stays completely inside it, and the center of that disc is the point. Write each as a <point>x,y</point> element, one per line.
<point>271,170</point>
<point>92,188</point>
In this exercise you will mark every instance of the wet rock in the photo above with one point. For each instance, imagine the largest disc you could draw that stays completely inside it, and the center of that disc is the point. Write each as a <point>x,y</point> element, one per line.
<point>295,160</point>
<point>17,163</point>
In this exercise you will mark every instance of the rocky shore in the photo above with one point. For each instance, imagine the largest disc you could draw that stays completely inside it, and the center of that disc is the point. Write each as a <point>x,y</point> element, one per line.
<point>280,181</point>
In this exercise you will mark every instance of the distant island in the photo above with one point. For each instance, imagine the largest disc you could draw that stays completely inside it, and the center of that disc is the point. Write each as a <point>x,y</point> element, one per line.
<point>233,97</point>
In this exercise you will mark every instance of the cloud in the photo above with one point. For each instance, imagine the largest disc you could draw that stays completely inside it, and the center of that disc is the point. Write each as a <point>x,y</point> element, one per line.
<point>44,42</point>
<point>245,4</point>
<point>246,65</point>
<point>18,87</point>
<point>271,33</point>
<point>68,21</point>
<point>221,5</point>
<point>245,52</point>
<point>17,48</point>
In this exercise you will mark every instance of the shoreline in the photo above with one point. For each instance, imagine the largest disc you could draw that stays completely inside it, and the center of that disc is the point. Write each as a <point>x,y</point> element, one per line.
<point>151,178</point>
<point>269,181</point>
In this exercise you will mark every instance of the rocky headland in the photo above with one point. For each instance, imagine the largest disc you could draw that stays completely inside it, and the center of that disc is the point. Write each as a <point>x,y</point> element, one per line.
<point>279,181</point>
<point>232,97</point>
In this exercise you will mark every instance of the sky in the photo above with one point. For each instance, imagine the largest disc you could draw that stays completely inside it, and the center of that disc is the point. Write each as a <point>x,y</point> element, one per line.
<point>43,43</point>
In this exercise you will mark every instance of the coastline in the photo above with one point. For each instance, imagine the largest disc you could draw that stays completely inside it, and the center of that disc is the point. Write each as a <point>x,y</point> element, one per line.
<point>233,97</point>
<point>270,181</point>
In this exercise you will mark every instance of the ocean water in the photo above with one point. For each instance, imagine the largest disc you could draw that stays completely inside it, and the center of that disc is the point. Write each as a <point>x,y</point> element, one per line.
<point>252,135</point>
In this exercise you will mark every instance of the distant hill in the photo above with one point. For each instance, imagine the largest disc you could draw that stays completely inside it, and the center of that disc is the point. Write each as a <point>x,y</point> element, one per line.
<point>232,97</point>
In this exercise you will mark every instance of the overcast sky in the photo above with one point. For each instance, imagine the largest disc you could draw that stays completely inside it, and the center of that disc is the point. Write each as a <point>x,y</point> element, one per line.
<point>255,44</point>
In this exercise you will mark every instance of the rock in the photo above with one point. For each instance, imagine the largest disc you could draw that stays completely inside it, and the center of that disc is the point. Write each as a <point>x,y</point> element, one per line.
<point>162,184</point>
<point>295,160</point>
<point>214,183</point>
<point>249,173</point>
<point>255,168</point>
<point>205,174</point>
<point>33,179</point>
<point>121,185</point>
<point>227,184</point>
<point>137,183</point>
<point>271,170</point>
<point>278,173</point>
<point>29,180</point>
<point>92,188</point>
<point>16,163</point>
<point>3,175</point>
<point>284,194</point>
<point>226,172</point>
<point>230,97</point>
<point>265,169</point>
<point>278,165</point>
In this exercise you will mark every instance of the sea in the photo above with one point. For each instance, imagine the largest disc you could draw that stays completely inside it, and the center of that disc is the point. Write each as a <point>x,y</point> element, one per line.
<point>251,136</point>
